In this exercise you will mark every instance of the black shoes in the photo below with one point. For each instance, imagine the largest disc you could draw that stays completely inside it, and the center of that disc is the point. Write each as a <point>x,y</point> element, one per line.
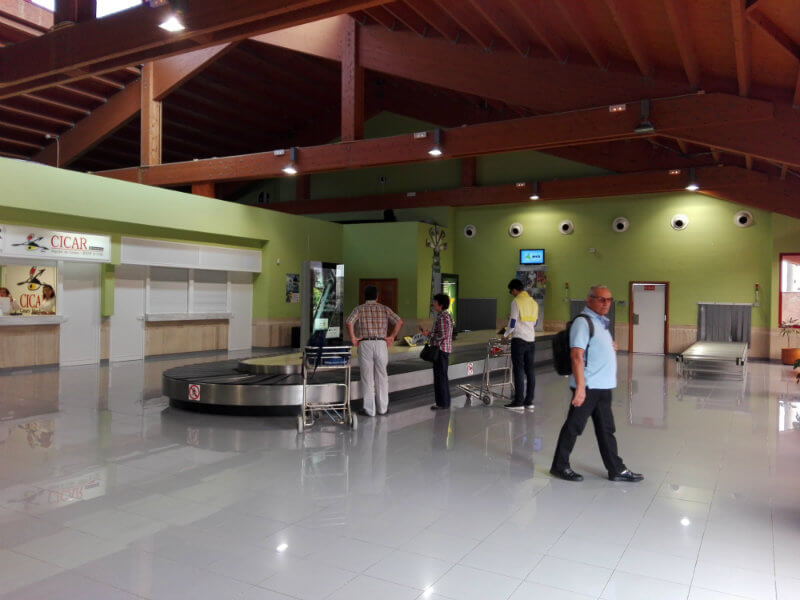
<point>528,406</point>
<point>437,407</point>
<point>567,474</point>
<point>515,406</point>
<point>626,475</point>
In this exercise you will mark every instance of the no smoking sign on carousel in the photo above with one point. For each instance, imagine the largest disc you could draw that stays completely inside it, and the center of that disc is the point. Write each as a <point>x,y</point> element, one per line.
<point>194,392</point>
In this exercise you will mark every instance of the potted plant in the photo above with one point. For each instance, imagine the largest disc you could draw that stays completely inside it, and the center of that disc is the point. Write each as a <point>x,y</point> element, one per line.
<point>790,329</point>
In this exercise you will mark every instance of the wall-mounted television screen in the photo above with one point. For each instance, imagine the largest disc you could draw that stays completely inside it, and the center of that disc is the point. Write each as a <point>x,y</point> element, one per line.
<point>531,257</point>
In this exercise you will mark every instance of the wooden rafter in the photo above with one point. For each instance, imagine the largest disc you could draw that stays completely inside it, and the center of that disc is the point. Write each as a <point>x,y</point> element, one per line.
<point>579,21</point>
<point>786,43</point>
<point>748,161</point>
<point>729,183</point>
<point>503,23</point>
<point>169,73</point>
<point>674,117</point>
<point>408,17</point>
<point>531,14</point>
<point>469,21</point>
<point>439,20</point>
<point>133,37</point>
<point>622,16</point>
<point>679,22</point>
<point>382,16</point>
<point>505,76</point>
<point>741,46</point>
<point>151,119</point>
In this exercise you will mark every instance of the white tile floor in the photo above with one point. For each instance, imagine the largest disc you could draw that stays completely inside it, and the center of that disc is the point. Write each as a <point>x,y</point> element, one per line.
<point>107,493</point>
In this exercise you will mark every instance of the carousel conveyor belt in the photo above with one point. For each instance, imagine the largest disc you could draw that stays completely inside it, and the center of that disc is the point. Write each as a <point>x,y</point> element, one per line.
<point>235,386</point>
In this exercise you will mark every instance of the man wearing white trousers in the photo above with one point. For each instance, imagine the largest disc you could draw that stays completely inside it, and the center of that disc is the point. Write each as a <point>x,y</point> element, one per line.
<point>373,343</point>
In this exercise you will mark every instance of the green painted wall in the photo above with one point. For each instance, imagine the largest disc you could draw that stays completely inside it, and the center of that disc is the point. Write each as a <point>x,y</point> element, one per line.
<point>43,196</point>
<point>711,260</point>
<point>392,250</point>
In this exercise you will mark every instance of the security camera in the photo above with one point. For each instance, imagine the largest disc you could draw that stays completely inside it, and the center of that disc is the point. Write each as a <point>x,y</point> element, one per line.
<point>743,218</point>
<point>566,227</point>
<point>470,231</point>
<point>679,222</point>
<point>515,230</point>
<point>620,224</point>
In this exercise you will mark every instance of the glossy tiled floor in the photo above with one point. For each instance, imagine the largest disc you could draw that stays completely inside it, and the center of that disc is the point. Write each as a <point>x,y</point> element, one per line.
<point>106,493</point>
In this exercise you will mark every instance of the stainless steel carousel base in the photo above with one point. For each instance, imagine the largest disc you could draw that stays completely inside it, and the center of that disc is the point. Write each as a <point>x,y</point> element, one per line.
<point>222,385</point>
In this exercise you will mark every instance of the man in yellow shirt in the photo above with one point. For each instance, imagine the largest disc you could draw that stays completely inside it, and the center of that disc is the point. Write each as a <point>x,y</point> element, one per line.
<point>522,331</point>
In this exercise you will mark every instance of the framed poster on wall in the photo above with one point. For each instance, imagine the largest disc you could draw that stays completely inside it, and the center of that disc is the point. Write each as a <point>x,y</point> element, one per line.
<point>32,288</point>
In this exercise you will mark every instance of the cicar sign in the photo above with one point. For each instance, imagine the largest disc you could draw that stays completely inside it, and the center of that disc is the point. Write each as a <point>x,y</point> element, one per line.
<point>38,244</point>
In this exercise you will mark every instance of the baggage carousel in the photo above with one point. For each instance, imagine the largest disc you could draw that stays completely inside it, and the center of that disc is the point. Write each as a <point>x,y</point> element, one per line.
<point>274,384</point>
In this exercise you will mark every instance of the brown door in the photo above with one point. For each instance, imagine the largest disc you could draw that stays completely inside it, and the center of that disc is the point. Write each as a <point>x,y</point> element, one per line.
<point>387,291</point>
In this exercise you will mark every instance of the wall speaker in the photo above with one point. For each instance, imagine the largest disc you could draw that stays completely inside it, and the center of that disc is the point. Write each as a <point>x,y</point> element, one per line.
<point>515,230</point>
<point>470,231</point>
<point>566,227</point>
<point>679,222</point>
<point>620,224</point>
<point>743,218</point>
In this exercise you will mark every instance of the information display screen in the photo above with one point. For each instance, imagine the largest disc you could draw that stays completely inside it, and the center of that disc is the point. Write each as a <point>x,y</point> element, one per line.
<point>531,257</point>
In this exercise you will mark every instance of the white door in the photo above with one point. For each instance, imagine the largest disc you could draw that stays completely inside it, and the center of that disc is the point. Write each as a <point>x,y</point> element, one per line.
<point>79,303</point>
<point>649,315</point>
<point>127,322</point>
<point>240,327</point>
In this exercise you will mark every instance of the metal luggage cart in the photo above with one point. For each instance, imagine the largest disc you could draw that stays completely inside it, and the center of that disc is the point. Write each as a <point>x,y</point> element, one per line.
<point>319,400</point>
<point>499,349</point>
<point>714,359</point>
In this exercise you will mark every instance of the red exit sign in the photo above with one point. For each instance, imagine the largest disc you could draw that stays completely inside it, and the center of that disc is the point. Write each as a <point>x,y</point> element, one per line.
<point>649,288</point>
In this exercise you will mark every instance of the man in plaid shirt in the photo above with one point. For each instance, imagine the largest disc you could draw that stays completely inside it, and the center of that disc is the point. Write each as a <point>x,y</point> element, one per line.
<point>373,348</point>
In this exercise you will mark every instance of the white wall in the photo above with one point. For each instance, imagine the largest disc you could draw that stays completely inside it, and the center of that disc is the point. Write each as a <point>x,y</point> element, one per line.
<point>78,301</point>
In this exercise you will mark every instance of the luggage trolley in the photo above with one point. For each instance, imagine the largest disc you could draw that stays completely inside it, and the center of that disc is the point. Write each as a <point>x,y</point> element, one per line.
<point>326,359</point>
<point>496,348</point>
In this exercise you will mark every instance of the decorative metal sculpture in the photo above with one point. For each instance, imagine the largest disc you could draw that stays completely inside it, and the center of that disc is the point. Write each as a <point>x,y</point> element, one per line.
<point>436,242</point>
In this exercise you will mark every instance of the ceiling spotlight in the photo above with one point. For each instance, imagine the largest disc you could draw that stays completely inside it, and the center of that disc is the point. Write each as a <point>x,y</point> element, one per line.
<point>674,171</point>
<point>291,168</point>
<point>645,126</point>
<point>437,143</point>
<point>534,191</point>
<point>282,547</point>
<point>692,186</point>
<point>173,23</point>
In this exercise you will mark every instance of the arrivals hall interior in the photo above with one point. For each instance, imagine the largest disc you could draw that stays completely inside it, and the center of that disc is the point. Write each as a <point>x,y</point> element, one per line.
<point>196,197</point>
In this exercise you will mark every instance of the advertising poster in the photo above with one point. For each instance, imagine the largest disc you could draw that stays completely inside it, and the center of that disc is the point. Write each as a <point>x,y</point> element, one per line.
<point>33,289</point>
<point>293,287</point>
<point>534,279</point>
<point>27,242</point>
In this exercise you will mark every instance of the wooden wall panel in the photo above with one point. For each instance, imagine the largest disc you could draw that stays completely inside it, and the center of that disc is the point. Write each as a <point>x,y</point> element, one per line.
<point>178,337</point>
<point>28,346</point>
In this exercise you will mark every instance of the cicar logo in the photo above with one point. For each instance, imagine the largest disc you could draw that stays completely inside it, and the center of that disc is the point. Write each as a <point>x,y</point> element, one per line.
<point>33,282</point>
<point>33,243</point>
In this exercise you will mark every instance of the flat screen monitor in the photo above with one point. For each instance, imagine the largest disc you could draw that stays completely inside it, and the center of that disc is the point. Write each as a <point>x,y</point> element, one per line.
<point>531,257</point>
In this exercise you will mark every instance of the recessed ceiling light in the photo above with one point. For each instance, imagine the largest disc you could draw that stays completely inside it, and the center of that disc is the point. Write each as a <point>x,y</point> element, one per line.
<point>172,24</point>
<point>282,547</point>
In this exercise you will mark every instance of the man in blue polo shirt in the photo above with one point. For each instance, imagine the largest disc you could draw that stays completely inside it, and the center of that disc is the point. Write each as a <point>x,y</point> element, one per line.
<point>594,376</point>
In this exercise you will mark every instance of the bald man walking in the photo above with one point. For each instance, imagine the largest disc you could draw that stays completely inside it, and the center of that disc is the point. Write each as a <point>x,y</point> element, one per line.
<point>594,376</point>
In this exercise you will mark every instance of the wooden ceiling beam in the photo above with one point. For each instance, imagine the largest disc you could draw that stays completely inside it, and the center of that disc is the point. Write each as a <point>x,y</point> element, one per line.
<point>439,20</point>
<point>532,15</point>
<point>725,182</point>
<point>505,76</point>
<point>503,23</point>
<point>687,113</point>
<point>790,48</point>
<point>352,96</point>
<point>630,32</point>
<point>741,45</point>
<point>32,119</point>
<point>123,106</point>
<point>577,18</point>
<point>408,17</point>
<point>28,13</point>
<point>469,21</point>
<point>133,37</point>
<point>678,16</point>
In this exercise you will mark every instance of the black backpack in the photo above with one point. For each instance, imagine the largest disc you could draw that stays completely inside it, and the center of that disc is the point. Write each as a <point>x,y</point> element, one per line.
<point>562,361</point>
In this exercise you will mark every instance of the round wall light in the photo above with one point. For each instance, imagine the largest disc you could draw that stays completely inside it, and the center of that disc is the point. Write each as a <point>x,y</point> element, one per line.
<point>515,230</point>
<point>470,231</point>
<point>566,227</point>
<point>743,218</point>
<point>620,224</point>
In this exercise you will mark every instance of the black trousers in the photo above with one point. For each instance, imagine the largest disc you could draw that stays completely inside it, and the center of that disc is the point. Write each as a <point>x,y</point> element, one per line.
<point>441,385</point>
<point>597,406</point>
<point>522,363</point>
